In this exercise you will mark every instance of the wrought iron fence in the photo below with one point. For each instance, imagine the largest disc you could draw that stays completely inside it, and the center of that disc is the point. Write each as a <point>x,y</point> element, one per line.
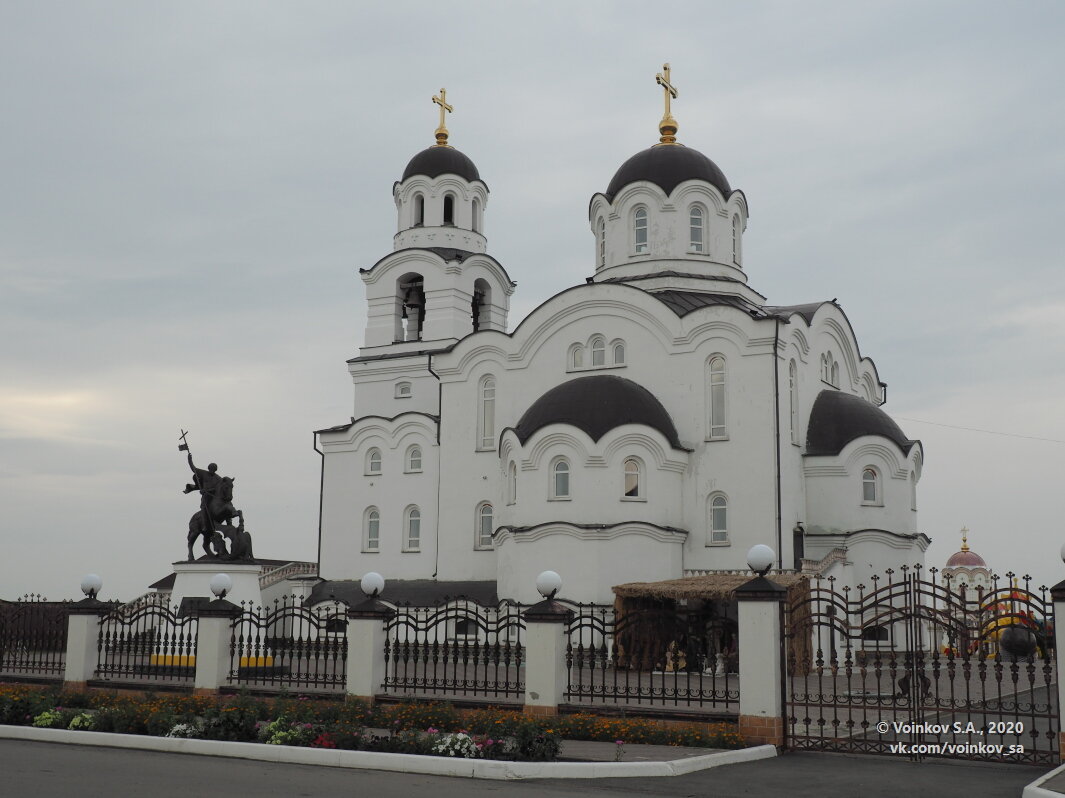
<point>33,636</point>
<point>457,647</point>
<point>914,664</point>
<point>147,640</point>
<point>289,645</point>
<point>667,656</point>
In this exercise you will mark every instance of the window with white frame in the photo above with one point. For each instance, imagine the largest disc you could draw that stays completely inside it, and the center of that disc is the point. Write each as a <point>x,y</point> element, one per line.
<point>373,461</point>
<point>403,390</point>
<point>412,529</point>
<point>449,209</point>
<point>717,396</point>
<point>619,353</point>
<point>576,356</point>
<point>871,486</point>
<point>913,490</point>
<point>476,208</point>
<point>600,235</point>
<point>560,478</point>
<point>486,416</point>
<point>598,351</point>
<point>633,484</point>
<point>484,526</point>
<point>695,229</point>
<point>371,534</point>
<point>512,484</point>
<point>639,231</point>
<point>736,253</point>
<point>419,210</point>
<point>414,460</point>
<point>718,520</point>
<point>793,401</point>
<point>835,374</point>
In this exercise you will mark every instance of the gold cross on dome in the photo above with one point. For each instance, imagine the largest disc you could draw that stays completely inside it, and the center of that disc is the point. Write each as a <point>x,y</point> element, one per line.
<point>441,132</point>
<point>964,538</point>
<point>668,126</point>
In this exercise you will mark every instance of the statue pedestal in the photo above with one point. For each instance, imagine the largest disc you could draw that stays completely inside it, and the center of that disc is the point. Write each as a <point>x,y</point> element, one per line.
<point>193,580</point>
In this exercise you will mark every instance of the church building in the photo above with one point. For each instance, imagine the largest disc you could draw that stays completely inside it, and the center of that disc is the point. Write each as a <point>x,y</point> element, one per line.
<point>652,422</point>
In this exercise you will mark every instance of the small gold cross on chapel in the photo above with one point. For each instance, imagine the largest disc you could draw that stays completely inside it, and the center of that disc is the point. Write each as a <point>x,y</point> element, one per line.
<point>668,126</point>
<point>441,132</point>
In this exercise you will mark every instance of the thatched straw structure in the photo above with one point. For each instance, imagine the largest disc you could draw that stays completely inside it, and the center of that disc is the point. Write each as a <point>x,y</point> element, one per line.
<point>717,587</point>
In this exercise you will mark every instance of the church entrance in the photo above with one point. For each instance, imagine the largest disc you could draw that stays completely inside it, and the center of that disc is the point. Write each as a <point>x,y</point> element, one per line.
<point>907,665</point>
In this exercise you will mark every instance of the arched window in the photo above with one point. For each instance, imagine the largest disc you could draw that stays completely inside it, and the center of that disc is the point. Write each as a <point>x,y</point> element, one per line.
<point>414,459</point>
<point>871,487</point>
<point>736,254</point>
<point>633,479</point>
<point>449,209</point>
<point>371,535</point>
<point>403,390</point>
<point>419,210</point>
<point>619,353</point>
<point>600,243</point>
<point>410,294</point>
<point>717,396</point>
<point>412,522</point>
<point>639,231</point>
<point>576,356</point>
<point>695,229</point>
<point>476,208</point>
<point>825,374</point>
<point>560,479</point>
<point>793,402</point>
<point>484,526</point>
<point>486,415</point>
<point>373,461</point>
<point>598,352</point>
<point>835,374</point>
<point>481,306</point>
<point>913,490</point>
<point>718,520</point>
<point>512,484</point>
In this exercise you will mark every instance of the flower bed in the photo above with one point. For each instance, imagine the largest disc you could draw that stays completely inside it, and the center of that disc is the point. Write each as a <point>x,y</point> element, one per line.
<point>435,729</point>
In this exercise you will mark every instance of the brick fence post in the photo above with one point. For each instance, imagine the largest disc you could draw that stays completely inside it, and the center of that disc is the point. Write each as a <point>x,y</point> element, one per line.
<point>214,633</point>
<point>546,624</point>
<point>83,642</point>
<point>1057,593</point>
<point>761,677</point>
<point>367,632</point>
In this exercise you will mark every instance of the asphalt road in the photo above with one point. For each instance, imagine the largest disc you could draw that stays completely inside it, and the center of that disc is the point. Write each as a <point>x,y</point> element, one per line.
<point>48,770</point>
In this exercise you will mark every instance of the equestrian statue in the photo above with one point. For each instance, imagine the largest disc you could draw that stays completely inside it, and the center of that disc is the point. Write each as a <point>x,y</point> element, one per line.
<point>214,520</point>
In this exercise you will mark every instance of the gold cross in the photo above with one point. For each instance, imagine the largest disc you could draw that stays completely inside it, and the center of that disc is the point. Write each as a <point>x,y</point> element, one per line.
<point>668,126</point>
<point>441,132</point>
<point>964,539</point>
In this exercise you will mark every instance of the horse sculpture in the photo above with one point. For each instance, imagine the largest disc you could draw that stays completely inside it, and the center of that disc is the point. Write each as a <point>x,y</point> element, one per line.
<point>220,513</point>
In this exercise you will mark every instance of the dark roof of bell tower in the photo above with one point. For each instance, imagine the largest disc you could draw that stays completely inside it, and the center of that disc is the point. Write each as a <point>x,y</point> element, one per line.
<point>437,160</point>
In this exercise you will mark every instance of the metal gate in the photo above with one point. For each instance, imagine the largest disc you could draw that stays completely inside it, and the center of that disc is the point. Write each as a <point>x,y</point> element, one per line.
<point>912,665</point>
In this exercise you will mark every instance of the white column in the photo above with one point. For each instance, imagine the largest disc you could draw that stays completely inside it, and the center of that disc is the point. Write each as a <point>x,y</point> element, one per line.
<point>545,656</point>
<point>1057,593</point>
<point>761,679</point>
<point>214,631</point>
<point>83,636</point>
<point>366,648</point>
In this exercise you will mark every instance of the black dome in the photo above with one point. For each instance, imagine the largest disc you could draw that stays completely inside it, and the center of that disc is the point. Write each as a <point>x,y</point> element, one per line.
<point>437,161</point>
<point>667,166</point>
<point>839,418</point>
<point>597,405</point>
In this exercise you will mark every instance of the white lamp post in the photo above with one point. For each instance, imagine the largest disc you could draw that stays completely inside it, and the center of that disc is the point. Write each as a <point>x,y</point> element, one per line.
<point>760,559</point>
<point>372,584</point>
<point>548,583</point>
<point>220,585</point>
<point>90,585</point>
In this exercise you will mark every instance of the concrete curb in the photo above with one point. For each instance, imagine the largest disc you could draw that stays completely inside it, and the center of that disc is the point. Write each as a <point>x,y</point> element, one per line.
<point>1034,790</point>
<point>403,763</point>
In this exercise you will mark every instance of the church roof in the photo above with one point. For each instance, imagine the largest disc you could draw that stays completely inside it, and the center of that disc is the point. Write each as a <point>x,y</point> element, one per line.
<point>968,558</point>
<point>437,160</point>
<point>667,166</point>
<point>597,405</point>
<point>838,418</point>
<point>684,302</point>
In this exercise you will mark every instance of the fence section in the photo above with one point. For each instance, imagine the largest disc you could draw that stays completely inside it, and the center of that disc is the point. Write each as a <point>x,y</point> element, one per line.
<point>147,640</point>
<point>33,636</point>
<point>287,645</point>
<point>669,657</point>
<point>909,664</point>
<point>456,648</point>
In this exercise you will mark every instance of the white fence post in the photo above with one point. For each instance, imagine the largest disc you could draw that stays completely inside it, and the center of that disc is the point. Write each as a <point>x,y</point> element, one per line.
<point>83,642</point>
<point>761,675</point>
<point>546,626</point>
<point>366,648</point>
<point>214,631</point>
<point>1057,593</point>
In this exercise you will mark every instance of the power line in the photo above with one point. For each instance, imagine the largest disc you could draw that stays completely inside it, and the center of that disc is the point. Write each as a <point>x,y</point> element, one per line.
<point>985,431</point>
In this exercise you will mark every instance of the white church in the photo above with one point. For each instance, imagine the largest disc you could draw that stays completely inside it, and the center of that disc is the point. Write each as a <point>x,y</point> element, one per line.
<point>652,422</point>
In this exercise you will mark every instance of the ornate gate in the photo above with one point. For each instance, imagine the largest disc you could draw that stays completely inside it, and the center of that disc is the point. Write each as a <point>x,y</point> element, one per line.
<point>911,665</point>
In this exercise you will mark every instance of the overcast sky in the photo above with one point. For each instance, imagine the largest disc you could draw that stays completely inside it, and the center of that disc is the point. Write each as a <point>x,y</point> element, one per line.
<point>187,192</point>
